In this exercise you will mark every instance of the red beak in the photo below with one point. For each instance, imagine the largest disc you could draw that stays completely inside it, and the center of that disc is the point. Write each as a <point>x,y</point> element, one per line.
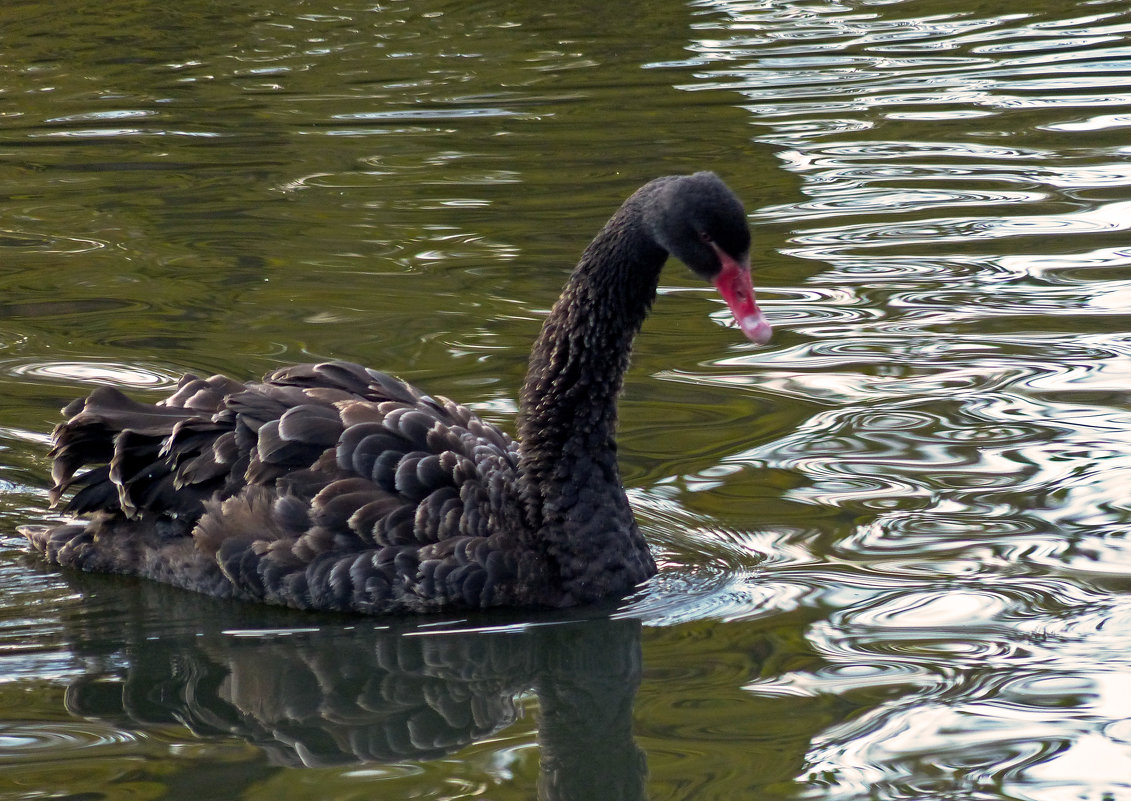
<point>733,283</point>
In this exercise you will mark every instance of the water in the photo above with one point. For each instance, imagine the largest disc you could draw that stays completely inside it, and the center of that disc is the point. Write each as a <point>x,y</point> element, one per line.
<point>893,549</point>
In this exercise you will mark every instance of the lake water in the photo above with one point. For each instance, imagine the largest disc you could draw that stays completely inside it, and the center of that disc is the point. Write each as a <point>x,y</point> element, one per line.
<point>893,542</point>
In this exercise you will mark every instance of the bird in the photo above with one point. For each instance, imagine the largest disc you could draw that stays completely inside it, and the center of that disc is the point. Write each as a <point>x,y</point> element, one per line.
<point>336,487</point>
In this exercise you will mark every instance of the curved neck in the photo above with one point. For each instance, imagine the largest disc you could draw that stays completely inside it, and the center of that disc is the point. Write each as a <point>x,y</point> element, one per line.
<point>568,406</point>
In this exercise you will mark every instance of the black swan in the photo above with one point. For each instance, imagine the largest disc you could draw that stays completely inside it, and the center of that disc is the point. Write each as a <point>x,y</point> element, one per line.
<point>331,486</point>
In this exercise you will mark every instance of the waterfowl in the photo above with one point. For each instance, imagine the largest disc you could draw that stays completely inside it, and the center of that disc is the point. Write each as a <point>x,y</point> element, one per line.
<point>335,487</point>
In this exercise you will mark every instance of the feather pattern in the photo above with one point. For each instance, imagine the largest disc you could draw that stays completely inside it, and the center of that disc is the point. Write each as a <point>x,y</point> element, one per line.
<point>357,492</point>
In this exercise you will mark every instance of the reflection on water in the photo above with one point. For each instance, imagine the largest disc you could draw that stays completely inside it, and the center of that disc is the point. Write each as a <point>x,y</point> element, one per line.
<point>894,542</point>
<point>342,692</point>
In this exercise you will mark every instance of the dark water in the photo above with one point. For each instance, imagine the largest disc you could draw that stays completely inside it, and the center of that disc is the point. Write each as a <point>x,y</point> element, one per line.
<point>894,550</point>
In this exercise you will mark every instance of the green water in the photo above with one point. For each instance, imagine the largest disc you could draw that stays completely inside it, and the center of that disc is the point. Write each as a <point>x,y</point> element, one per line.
<point>893,541</point>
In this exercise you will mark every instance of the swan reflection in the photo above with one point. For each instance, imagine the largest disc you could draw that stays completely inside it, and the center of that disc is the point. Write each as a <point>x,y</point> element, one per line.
<point>316,692</point>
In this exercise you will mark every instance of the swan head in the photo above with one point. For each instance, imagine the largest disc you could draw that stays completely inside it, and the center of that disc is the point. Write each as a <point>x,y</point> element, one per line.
<point>701,222</point>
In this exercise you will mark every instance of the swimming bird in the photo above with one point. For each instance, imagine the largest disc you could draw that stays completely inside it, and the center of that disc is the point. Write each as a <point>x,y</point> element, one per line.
<point>335,487</point>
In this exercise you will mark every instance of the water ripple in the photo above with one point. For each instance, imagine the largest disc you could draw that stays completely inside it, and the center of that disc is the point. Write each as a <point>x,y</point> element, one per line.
<point>135,375</point>
<point>33,741</point>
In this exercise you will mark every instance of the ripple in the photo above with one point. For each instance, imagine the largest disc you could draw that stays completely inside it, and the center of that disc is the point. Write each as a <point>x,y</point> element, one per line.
<point>980,62</point>
<point>974,536</point>
<point>1109,217</point>
<point>53,739</point>
<point>104,115</point>
<point>984,620</point>
<point>707,572</point>
<point>990,710</point>
<point>1098,122</point>
<point>424,114</point>
<point>1105,552</point>
<point>871,200</point>
<point>20,241</point>
<point>933,610</point>
<point>840,679</point>
<point>128,375</point>
<point>930,750</point>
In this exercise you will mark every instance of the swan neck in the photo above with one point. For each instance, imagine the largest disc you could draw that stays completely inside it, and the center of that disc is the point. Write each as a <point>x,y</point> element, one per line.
<point>568,407</point>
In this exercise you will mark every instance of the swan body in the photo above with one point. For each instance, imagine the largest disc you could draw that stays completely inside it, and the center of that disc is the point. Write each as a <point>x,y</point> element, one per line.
<point>331,486</point>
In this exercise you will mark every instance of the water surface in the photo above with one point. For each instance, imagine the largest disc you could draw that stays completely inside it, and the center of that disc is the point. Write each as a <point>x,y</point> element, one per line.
<point>893,548</point>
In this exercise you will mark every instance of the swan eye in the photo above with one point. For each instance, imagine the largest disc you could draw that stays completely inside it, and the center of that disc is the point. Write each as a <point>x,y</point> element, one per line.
<point>706,238</point>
